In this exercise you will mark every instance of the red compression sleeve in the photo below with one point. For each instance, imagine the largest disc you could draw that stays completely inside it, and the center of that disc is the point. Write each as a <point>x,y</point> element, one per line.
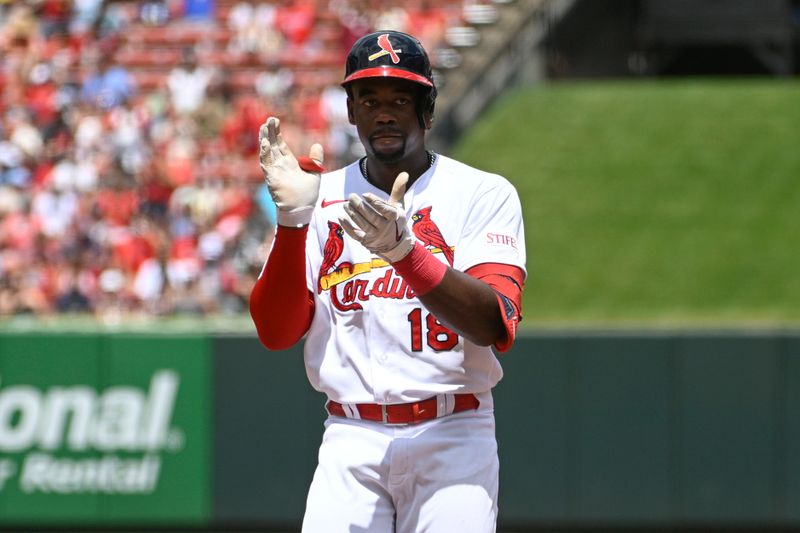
<point>280,304</point>
<point>421,270</point>
<point>507,281</point>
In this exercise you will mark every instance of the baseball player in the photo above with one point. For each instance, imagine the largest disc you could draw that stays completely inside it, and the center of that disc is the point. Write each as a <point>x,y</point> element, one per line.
<point>404,269</point>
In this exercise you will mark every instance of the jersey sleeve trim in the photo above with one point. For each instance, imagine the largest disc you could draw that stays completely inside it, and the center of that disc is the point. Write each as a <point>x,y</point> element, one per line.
<point>508,282</point>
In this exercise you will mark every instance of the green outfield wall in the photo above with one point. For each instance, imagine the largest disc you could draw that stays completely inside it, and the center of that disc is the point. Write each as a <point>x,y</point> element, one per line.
<point>595,429</point>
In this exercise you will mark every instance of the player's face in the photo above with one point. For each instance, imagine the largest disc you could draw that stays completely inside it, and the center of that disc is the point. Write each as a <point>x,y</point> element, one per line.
<point>384,110</point>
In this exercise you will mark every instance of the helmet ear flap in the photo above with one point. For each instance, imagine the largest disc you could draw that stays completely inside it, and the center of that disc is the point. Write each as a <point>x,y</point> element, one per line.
<point>425,108</point>
<point>350,115</point>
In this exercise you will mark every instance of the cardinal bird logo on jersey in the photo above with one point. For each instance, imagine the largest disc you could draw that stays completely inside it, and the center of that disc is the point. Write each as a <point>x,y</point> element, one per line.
<point>428,232</point>
<point>332,251</point>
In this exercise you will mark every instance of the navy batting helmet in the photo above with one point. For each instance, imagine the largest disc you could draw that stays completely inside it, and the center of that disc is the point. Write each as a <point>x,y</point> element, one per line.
<point>392,54</point>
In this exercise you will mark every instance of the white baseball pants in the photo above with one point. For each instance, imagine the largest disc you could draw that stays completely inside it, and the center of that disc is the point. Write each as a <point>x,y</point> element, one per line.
<point>439,476</point>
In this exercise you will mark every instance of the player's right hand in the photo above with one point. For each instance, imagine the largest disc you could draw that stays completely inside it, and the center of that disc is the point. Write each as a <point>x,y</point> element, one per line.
<point>293,184</point>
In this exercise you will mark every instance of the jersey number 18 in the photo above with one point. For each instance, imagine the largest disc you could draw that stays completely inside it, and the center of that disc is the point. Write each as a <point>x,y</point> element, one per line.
<point>439,337</point>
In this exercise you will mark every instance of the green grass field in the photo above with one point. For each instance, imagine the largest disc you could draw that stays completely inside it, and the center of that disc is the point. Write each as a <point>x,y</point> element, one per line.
<point>656,203</point>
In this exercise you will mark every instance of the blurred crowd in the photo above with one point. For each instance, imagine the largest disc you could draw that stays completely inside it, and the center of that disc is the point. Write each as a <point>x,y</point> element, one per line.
<point>129,180</point>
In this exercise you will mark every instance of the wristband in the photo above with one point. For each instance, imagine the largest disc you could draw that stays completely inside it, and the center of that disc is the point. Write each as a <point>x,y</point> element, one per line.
<point>296,218</point>
<point>421,270</point>
<point>310,165</point>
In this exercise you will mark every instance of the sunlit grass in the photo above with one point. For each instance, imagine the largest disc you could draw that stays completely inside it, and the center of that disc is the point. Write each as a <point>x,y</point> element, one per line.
<point>674,203</point>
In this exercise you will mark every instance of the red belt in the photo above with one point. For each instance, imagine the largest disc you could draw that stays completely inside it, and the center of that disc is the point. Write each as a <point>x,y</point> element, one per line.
<point>404,413</point>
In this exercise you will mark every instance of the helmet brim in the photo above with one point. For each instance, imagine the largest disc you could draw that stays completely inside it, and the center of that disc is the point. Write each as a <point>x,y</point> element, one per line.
<point>388,72</point>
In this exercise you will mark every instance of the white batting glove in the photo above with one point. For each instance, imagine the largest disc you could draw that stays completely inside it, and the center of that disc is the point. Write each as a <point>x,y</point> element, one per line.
<point>380,225</point>
<point>293,183</point>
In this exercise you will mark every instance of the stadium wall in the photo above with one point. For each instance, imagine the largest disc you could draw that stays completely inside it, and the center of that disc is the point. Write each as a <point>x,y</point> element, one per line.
<point>657,429</point>
<point>509,53</point>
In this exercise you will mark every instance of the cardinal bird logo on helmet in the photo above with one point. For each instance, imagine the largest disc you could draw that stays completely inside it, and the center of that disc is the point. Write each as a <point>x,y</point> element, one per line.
<point>428,232</point>
<point>332,251</point>
<point>386,48</point>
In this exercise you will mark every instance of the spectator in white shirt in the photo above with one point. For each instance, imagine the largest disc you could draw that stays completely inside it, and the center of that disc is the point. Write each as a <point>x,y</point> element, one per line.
<point>187,83</point>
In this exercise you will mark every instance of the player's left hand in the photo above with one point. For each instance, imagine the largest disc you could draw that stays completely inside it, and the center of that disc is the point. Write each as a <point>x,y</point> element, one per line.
<point>380,225</point>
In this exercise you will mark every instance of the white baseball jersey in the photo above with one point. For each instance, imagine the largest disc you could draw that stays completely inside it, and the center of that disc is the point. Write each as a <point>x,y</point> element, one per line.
<point>371,340</point>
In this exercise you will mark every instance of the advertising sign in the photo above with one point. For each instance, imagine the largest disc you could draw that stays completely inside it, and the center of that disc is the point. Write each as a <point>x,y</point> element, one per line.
<point>104,430</point>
